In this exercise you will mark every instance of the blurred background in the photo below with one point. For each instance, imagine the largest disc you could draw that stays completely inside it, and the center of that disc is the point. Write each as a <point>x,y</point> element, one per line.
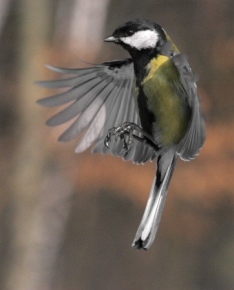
<point>67,221</point>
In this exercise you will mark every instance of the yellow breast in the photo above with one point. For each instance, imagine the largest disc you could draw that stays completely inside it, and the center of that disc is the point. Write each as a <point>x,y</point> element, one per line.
<point>161,87</point>
<point>154,65</point>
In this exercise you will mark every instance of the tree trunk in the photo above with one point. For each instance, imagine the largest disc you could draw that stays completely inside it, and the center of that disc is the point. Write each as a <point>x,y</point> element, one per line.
<point>29,157</point>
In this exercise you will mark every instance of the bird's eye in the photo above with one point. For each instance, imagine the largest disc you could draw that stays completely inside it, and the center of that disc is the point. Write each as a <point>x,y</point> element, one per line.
<point>130,32</point>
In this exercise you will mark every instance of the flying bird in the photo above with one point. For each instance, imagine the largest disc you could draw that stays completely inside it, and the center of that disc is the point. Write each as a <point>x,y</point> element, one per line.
<point>141,108</point>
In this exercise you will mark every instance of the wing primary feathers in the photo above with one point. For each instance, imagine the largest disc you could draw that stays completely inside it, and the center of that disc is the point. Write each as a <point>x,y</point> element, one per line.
<point>97,122</point>
<point>80,104</point>
<point>72,94</point>
<point>65,83</point>
<point>101,97</point>
<point>85,118</point>
<point>122,116</point>
<point>118,118</point>
<point>117,107</point>
<point>81,83</point>
<point>72,70</point>
<point>112,109</point>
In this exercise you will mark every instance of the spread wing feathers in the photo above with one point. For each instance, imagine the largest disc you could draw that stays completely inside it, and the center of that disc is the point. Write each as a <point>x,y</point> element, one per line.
<point>195,137</point>
<point>99,97</point>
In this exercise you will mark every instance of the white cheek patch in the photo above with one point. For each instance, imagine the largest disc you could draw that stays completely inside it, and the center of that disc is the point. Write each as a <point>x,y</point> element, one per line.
<point>142,39</point>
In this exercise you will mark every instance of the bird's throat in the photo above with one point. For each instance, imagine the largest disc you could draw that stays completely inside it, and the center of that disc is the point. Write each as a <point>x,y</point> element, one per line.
<point>141,59</point>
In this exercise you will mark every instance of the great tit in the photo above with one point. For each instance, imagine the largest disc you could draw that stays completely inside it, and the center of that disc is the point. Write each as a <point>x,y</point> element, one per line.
<point>147,102</point>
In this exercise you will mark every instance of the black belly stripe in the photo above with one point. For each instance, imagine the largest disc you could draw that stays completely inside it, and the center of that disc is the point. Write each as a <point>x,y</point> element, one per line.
<point>146,116</point>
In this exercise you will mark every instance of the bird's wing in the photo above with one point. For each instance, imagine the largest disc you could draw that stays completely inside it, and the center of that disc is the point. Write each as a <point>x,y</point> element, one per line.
<point>195,137</point>
<point>100,98</point>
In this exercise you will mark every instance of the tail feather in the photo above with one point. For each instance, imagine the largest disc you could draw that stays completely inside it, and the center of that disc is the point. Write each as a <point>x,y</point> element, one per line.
<point>150,221</point>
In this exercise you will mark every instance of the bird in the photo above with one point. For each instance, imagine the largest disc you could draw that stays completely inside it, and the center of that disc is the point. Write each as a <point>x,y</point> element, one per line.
<point>142,108</point>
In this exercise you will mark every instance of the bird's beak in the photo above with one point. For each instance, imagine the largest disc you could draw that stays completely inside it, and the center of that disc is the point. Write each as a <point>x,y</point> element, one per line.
<point>111,39</point>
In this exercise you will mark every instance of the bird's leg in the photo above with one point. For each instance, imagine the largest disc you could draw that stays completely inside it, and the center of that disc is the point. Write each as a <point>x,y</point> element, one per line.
<point>125,133</point>
<point>118,131</point>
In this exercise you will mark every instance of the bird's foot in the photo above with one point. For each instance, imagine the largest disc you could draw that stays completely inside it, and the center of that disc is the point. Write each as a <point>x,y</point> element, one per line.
<point>124,132</point>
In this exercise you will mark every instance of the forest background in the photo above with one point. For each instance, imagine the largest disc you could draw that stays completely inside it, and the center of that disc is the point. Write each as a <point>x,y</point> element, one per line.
<point>67,221</point>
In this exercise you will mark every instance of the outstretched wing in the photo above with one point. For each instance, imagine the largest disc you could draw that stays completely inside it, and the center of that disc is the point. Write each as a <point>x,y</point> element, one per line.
<point>100,98</point>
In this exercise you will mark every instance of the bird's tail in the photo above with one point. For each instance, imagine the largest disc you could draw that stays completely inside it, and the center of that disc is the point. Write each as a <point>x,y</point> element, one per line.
<point>149,224</point>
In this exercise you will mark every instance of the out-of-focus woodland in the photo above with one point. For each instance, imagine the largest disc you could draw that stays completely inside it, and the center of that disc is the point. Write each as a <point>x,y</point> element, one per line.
<point>67,221</point>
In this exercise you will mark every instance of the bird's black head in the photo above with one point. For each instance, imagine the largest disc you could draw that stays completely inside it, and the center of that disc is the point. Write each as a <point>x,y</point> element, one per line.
<point>139,35</point>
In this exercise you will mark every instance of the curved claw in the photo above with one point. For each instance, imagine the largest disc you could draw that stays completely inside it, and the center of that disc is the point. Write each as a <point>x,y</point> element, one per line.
<point>120,131</point>
<point>107,141</point>
<point>106,144</point>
